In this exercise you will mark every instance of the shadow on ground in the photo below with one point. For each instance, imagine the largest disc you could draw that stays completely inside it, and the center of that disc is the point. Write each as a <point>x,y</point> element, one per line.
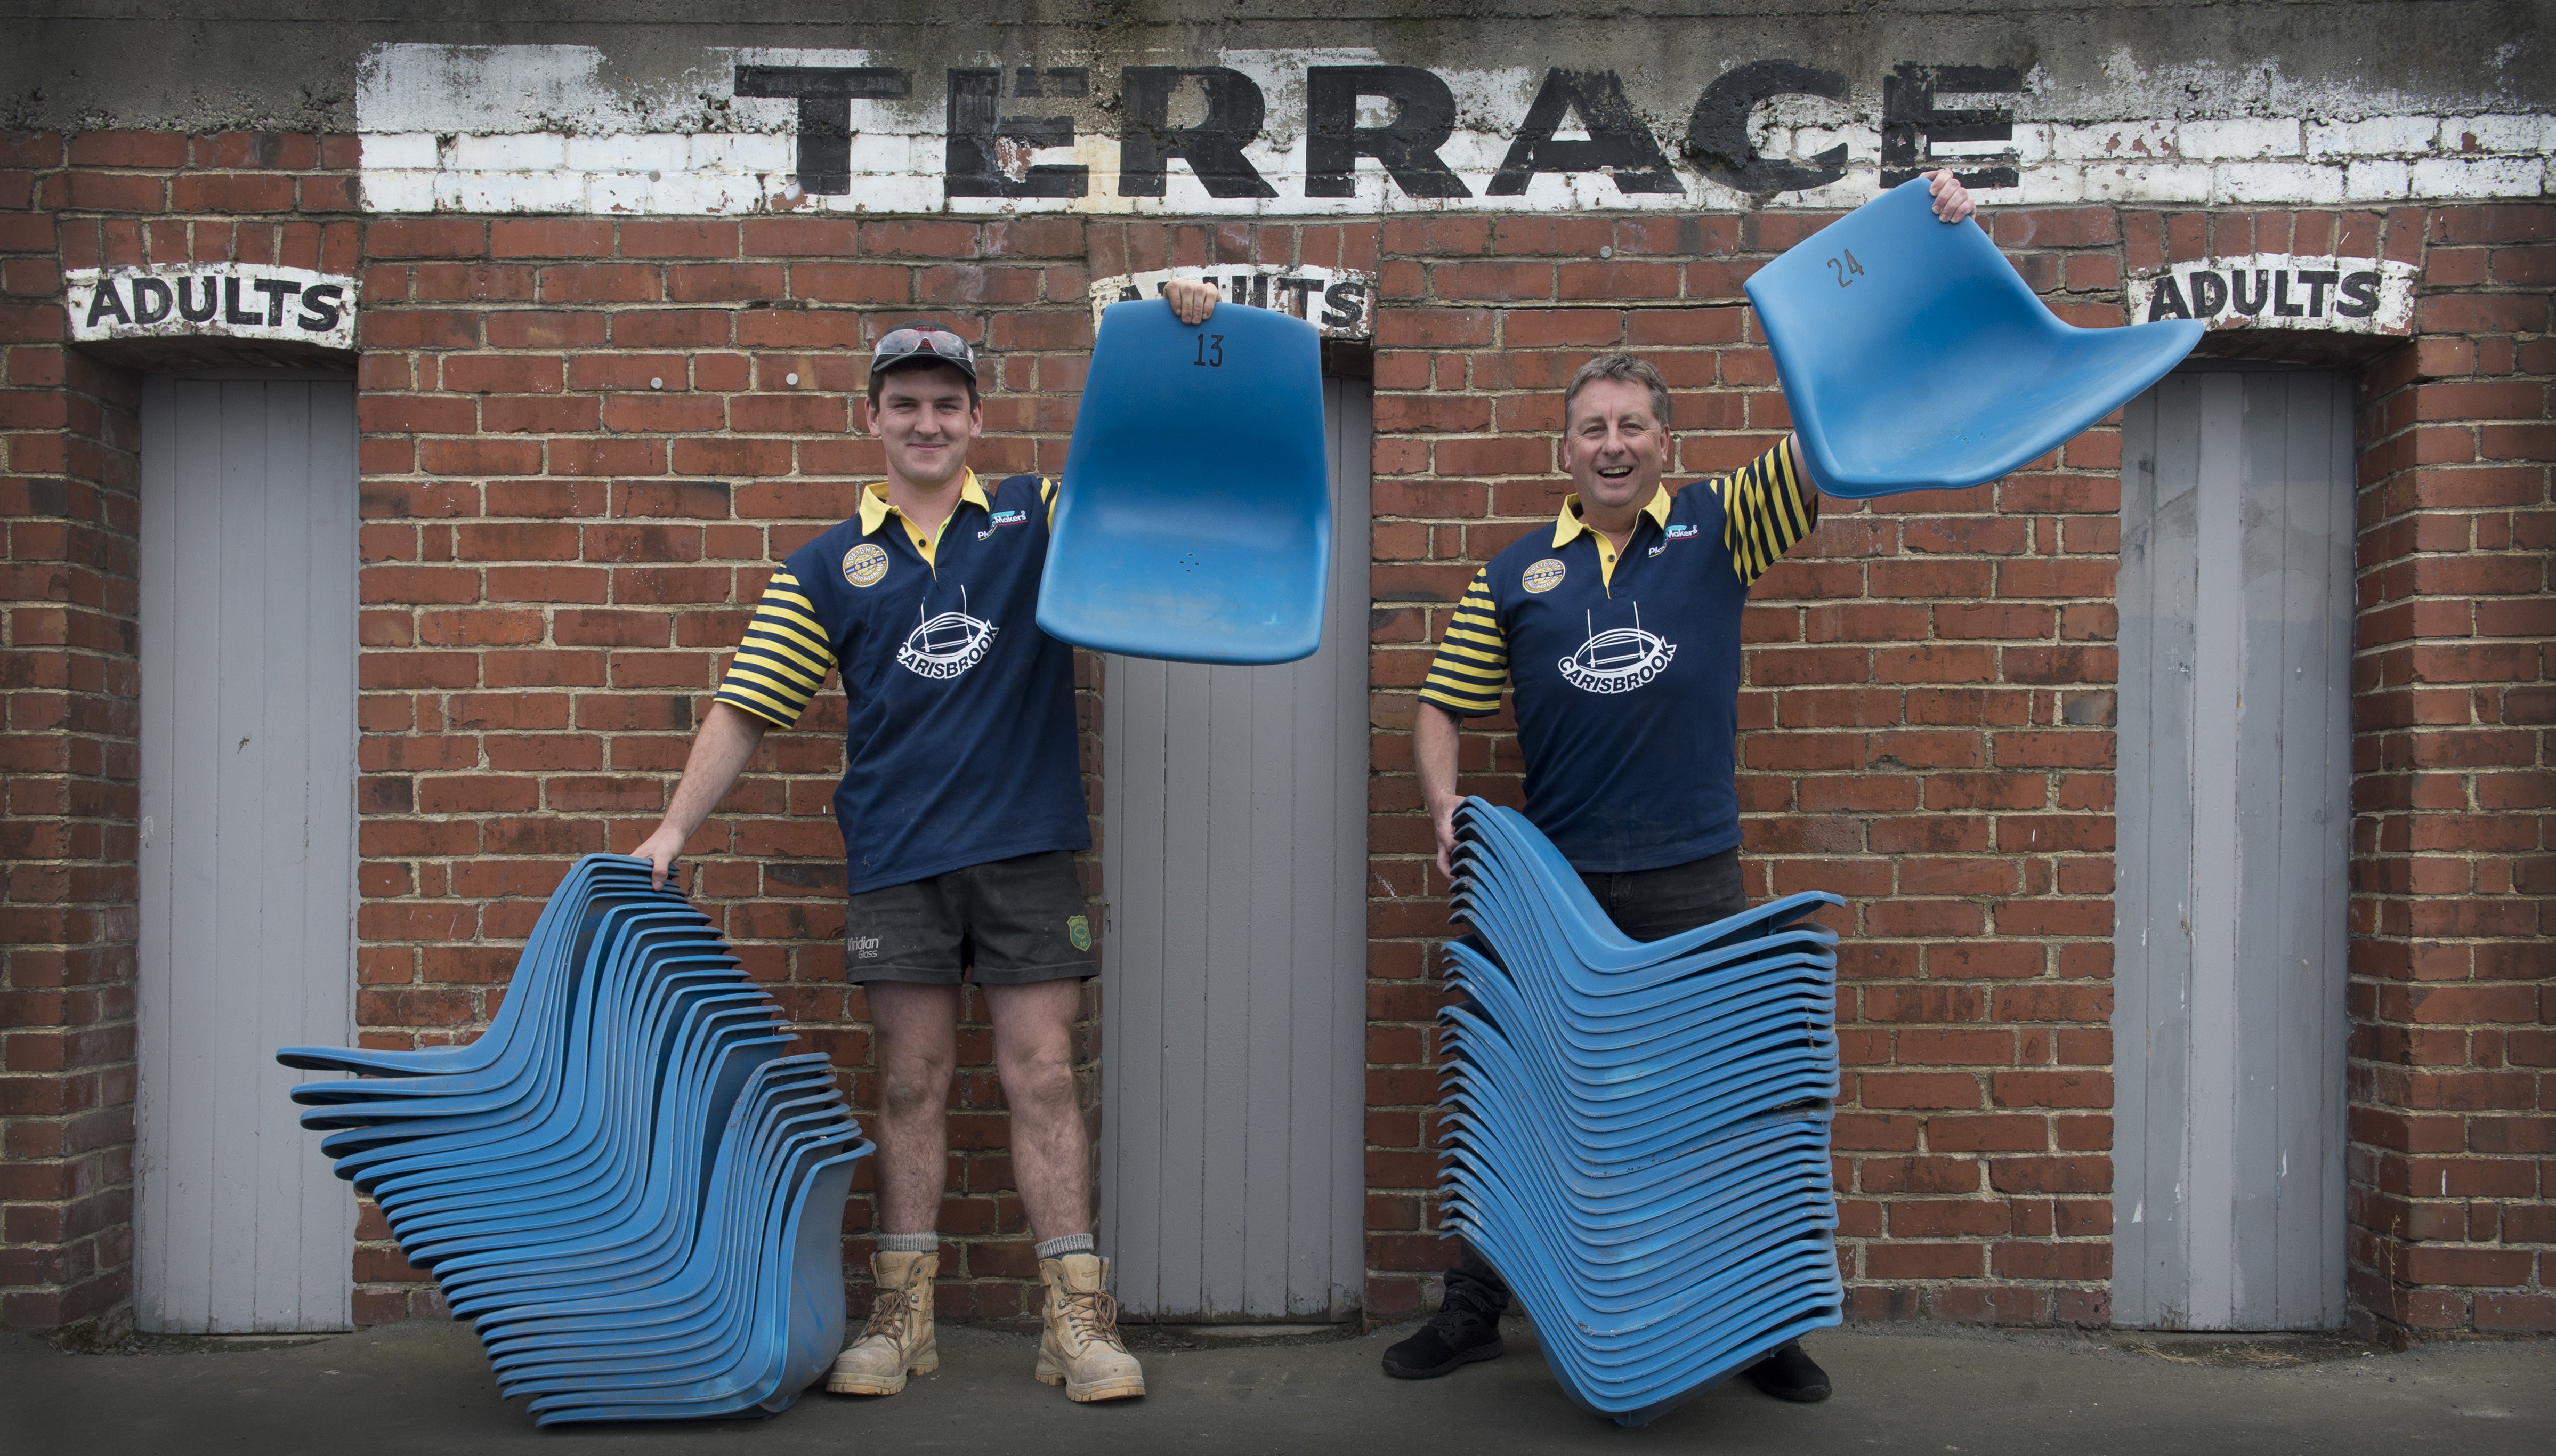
<point>425,1388</point>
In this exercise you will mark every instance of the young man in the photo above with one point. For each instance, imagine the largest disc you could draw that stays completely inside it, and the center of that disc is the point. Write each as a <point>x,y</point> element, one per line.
<point>961,807</point>
<point>1629,766</point>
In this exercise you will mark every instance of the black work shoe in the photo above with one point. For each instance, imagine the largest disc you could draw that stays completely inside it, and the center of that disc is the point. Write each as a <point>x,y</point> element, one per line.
<point>1790,1374</point>
<point>1456,1336</point>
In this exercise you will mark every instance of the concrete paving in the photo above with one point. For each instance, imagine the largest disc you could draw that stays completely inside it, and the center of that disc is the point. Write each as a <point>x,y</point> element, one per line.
<point>425,1388</point>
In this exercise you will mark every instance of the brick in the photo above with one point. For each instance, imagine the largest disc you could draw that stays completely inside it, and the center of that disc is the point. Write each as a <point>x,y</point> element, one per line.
<point>1618,281</point>
<point>510,374</point>
<point>232,192</point>
<point>426,238</point>
<point>729,455</point>
<point>602,283</point>
<point>94,192</point>
<point>1917,1089</point>
<point>549,237</point>
<point>679,239</point>
<point>1499,281</point>
<point>1436,236</point>
<point>681,329</point>
<point>1896,1261</point>
<point>439,282</point>
<point>142,149</point>
<point>920,239</point>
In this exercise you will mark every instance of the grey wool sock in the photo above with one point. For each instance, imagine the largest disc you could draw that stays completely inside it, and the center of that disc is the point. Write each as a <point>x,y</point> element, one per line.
<point>1063,1245</point>
<point>908,1243</point>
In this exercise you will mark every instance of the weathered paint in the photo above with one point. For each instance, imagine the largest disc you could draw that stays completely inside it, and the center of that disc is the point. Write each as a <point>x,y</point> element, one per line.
<point>1279,132</point>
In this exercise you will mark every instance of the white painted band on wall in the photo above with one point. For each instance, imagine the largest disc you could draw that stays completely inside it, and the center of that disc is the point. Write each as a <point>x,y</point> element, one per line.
<point>542,129</point>
<point>211,300</point>
<point>1339,302</point>
<point>2279,291</point>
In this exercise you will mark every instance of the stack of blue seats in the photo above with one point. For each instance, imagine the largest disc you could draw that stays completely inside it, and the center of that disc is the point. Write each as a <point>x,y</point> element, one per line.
<point>1638,1132</point>
<point>627,1184</point>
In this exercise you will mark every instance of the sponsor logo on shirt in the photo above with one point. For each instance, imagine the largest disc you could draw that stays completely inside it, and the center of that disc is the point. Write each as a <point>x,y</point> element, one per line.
<point>1675,533</point>
<point>865,564</point>
<point>863,947</point>
<point>944,646</point>
<point>1001,518</point>
<point>1543,576</point>
<point>1618,659</point>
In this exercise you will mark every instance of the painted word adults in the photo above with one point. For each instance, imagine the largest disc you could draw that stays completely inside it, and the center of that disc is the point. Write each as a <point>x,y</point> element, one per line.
<point>246,297</point>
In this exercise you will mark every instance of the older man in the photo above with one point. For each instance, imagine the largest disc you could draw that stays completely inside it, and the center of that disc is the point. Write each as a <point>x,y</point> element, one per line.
<point>962,806</point>
<point>1630,769</point>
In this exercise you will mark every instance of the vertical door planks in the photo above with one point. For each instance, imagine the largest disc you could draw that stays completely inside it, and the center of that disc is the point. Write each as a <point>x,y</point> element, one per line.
<point>246,933</point>
<point>1234,850</point>
<point>2230,892</point>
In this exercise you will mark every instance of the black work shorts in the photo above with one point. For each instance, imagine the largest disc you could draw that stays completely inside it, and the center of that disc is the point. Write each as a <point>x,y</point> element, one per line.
<point>1012,921</point>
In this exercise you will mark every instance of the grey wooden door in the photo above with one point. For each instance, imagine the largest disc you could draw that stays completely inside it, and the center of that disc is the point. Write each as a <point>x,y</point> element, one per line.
<point>2235,811</point>
<point>248,847</point>
<point>1233,859</point>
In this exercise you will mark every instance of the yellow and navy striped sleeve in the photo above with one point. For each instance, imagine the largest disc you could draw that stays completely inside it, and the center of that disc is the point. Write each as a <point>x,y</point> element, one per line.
<point>1766,507</point>
<point>1474,661</point>
<point>783,658</point>
<point>1046,493</point>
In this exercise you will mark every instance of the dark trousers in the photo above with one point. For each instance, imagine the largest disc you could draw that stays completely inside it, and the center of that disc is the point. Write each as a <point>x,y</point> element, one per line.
<point>1645,904</point>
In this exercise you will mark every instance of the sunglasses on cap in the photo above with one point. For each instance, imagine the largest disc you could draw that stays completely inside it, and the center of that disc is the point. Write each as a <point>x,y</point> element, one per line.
<point>929,343</point>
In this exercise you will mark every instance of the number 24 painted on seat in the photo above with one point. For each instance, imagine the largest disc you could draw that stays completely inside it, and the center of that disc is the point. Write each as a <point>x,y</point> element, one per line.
<point>1211,351</point>
<point>1841,269</point>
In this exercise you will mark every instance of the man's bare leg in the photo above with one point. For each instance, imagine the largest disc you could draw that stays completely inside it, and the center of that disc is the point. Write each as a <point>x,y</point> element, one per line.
<point>1052,1166</point>
<point>917,1032</point>
<point>918,1051</point>
<point>1051,1148</point>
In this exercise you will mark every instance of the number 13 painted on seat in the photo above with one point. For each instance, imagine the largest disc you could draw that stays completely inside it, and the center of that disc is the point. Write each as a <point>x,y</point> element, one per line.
<point>1211,351</point>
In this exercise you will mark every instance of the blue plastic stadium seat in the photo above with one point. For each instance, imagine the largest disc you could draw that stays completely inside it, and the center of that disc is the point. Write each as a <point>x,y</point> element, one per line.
<point>1195,522</point>
<point>1915,358</point>
<point>1637,1131</point>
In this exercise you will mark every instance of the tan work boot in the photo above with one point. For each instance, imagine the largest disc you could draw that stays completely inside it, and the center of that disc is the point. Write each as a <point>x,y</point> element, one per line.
<point>897,1341</point>
<point>1081,1350</point>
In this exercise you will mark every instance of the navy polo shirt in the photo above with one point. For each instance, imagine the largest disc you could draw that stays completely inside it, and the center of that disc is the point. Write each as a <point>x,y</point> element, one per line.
<point>960,746</point>
<point>1625,670</point>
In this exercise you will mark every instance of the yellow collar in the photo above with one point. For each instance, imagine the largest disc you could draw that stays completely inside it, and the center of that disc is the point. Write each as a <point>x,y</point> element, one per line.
<point>874,506</point>
<point>1567,524</point>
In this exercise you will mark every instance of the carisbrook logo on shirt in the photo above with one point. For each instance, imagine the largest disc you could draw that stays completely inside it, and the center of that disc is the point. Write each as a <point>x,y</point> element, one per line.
<point>944,646</point>
<point>1618,659</point>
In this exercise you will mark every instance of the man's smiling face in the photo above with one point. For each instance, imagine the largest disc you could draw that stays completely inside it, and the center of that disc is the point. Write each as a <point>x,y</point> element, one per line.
<point>1614,447</point>
<point>926,422</point>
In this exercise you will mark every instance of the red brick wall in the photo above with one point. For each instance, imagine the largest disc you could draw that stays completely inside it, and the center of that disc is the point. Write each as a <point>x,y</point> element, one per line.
<point>70,755</point>
<point>2453,984</point>
<point>582,456</point>
<point>67,757</point>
